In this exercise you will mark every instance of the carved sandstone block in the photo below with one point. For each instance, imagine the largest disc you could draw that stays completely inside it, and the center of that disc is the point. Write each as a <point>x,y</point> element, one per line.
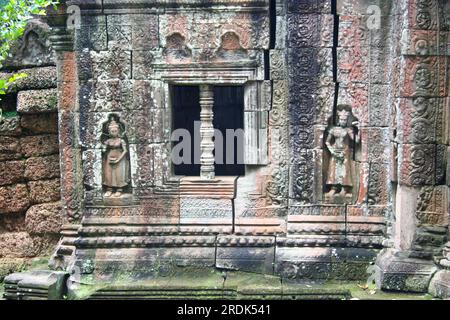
<point>92,33</point>
<point>234,257</point>
<point>425,77</point>
<point>308,6</point>
<point>207,212</point>
<point>113,64</point>
<point>417,164</point>
<point>421,120</point>
<point>423,15</point>
<point>432,206</point>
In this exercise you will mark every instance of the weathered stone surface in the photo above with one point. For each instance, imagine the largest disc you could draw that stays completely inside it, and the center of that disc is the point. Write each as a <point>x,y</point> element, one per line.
<point>35,101</point>
<point>10,126</point>
<point>10,265</point>
<point>36,285</point>
<point>46,167</point>
<point>36,78</point>
<point>397,273</point>
<point>44,190</point>
<point>44,219</point>
<point>14,198</point>
<point>33,146</point>
<point>232,253</point>
<point>440,284</point>
<point>40,123</point>
<point>10,148</point>
<point>12,222</point>
<point>16,245</point>
<point>33,48</point>
<point>11,172</point>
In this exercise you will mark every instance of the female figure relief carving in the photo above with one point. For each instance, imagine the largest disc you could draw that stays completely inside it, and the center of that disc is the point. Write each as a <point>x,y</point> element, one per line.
<point>341,141</point>
<point>115,161</point>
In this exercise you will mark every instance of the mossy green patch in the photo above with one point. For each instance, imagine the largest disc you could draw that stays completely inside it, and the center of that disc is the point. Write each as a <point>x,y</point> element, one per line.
<point>210,283</point>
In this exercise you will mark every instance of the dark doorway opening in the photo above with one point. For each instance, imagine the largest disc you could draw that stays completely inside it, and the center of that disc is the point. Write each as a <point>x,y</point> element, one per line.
<point>186,110</point>
<point>228,112</point>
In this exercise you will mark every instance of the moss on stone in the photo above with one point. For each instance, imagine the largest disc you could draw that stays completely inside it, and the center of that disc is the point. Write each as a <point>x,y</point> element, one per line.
<point>209,283</point>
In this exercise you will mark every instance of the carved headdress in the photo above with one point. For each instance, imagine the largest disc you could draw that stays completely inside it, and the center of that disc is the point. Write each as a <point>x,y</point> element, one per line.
<point>113,125</point>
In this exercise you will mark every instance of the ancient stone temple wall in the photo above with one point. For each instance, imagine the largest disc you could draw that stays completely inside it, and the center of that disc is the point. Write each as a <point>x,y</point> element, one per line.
<point>345,113</point>
<point>30,217</point>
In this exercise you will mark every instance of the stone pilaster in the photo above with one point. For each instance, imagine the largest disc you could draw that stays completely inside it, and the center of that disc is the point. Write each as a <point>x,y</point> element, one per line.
<point>419,89</point>
<point>70,153</point>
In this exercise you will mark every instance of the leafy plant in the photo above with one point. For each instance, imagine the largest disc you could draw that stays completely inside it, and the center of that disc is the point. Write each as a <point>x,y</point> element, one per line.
<point>14,15</point>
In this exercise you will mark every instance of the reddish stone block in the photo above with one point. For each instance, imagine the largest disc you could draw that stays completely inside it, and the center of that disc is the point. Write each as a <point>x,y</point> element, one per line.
<point>67,68</point>
<point>363,183</point>
<point>41,145</point>
<point>16,245</point>
<point>36,101</point>
<point>12,222</point>
<point>353,31</point>
<point>44,190</point>
<point>67,93</point>
<point>378,145</point>
<point>356,95</point>
<point>14,198</point>
<point>10,148</point>
<point>44,219</point>
<point>40,123</point>
<point>353,65</point>
<point>37,168</point>
<point>11,172</point>
<point>424,42</point>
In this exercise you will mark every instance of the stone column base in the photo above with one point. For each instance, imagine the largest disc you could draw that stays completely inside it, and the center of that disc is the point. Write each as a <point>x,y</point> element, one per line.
<point>395,271</point>
<point>440,284</point>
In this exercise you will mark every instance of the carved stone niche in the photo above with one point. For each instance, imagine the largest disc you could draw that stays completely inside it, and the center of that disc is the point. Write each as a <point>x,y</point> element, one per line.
<point>341,143</point>
<point>230,47</point>
<point>116,171</point>
<point>33,49</point>
<point>176,47</point>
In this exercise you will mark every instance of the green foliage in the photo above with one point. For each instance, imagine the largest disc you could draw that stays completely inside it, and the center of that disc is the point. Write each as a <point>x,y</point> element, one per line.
<point>14,15</point>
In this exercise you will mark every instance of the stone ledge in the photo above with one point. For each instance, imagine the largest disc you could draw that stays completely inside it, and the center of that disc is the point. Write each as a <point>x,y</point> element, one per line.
<point>37,78</point>
<point>37,101</point>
